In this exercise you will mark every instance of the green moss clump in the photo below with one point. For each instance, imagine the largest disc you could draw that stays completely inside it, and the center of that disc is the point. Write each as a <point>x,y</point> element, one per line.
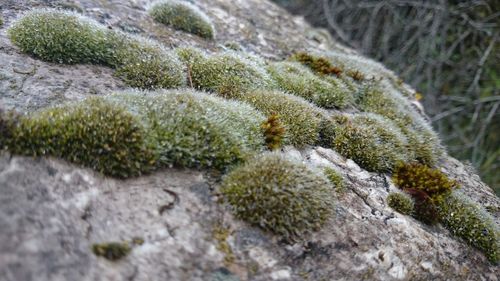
<point>471,222</point>
<point>279,195</point>
<point>93,133</point>
<point>428,187</point>
<point>8,123</point>
<point>335,178</point>
<point>300,118</point>
<point>68,37</point>
<point>183,16</point>
<point>228,74</point>
<point>401,202</point>
<point>417,176</point>
<point>319,65</point>
<point>423,141</point>
<point>60,36</point>
<point>274,132</point>
<point>372,141</point>
<point>112,251</point>
<point>194,129</point>
<point>299,80</point>
<point>1,21</point>
<point>145,64</point>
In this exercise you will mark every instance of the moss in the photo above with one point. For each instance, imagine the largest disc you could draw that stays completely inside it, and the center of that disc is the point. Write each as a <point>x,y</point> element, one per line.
<point>195,129</point>
<point>228,74</point>
<point>335,178</point>
<point>60,36</point>
<point>401,202</point>
<point>145,64</point>
<point>274,131</point>
<point>93,133</point>
<point>372,141</point>
<point>423,141</point>
<point>469,221</point>
<point>300,118</point>
<point>356,75</point>
<point>112,251</point>
<point>417,176</point>
<point>279,195</point>
<point>8,123</point>
<point>221,233</point>
<point>319,65</point>
<point>298,80</point>
<point>1,21</point>
<point>67,37</point>
<point>182,15</point>
<point>429,187</point>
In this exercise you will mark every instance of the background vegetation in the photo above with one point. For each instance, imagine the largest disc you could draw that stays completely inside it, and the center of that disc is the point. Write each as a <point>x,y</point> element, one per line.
<point>447,49</point>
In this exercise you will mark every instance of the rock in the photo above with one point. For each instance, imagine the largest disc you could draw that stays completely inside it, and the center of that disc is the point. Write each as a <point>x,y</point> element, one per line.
<point>52,212</point>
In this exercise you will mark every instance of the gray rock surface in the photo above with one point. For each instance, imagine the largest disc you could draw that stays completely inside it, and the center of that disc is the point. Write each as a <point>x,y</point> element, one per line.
<point>51,212</point>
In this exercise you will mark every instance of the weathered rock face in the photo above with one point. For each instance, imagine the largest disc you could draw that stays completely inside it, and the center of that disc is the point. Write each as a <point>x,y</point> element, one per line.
<point>51,212</point>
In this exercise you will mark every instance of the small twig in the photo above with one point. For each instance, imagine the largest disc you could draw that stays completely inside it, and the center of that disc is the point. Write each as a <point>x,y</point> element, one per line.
<point>170,205</point>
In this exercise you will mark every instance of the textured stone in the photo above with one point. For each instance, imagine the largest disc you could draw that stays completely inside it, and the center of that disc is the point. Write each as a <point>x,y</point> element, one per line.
<point>51,212</point>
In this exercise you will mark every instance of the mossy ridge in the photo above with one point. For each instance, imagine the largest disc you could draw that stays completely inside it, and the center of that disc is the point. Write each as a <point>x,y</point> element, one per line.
<point>401,202</point>
<point>68,37</point>
<point>183,16</point>
<point>119,146</point>
<point>279,195</point>
<point>423,141</point>
<point>145,64</point>
<point>357,65</point>
<point>372,141</point>
<point>227,74</point>
<point>300,118</point>
<point>469,221</point>
<point>194,129</point>
<point>299,80</point>
<point>61,36</point>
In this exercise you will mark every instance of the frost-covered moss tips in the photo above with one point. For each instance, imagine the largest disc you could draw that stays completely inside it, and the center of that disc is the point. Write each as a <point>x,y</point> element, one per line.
<point>299,80</point>
<point>60,36</point>
<point>279,195</point>
<point>228,74</point>
<point>146,64</point>
<point>194,129</point>
<point>68,37</point>
<point>128,134</point>
<point>182,15</point>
